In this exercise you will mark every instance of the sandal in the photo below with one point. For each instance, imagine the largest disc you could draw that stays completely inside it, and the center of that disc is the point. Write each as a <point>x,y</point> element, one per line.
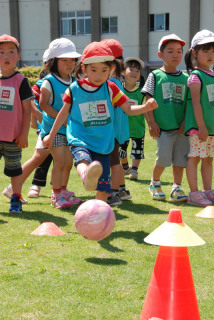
<point>198,198</point>
<point>34,192</point>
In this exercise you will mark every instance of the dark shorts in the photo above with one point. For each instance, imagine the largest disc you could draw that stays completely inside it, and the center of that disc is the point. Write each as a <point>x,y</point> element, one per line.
<point>12,157</point>
<point>114,155</point>
<point>137,151</point>
<point>82,153</point>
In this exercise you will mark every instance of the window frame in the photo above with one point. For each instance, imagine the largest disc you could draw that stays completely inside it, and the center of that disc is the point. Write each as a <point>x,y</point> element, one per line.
<point>110,25</point>
<point>152,22</point>
<point>73,19</point>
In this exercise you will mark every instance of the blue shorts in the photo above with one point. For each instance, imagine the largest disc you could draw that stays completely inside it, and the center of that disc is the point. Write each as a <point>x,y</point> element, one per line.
<point>82,153</point>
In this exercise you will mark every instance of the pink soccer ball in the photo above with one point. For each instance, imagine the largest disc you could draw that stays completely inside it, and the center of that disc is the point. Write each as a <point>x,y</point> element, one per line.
<point>94,220</point>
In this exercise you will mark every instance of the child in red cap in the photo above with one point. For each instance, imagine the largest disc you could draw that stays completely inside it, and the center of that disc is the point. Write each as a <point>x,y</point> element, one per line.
<point>89,105</point>
<point>15,113</point>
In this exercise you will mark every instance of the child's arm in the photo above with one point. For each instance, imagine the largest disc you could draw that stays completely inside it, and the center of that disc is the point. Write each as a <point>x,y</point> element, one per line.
<point>154,128</point>
<point>135,110</point>
<point>22,139</point>
<point>195,89</point>
<point>43,103</point>
<point>60,120</point>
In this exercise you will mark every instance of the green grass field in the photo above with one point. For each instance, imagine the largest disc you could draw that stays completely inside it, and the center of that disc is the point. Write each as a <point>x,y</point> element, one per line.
<point>71,278</point>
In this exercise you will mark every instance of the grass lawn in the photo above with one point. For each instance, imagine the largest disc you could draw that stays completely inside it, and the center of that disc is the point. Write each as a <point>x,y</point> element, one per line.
<point>71,278</point>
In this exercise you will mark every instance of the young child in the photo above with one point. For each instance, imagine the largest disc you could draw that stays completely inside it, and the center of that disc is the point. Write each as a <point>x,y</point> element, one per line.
<point>15,109</point>
<point>89,105</point>
<point>61,63</point>
<point>121,130</point>
<point>199,120</point>
<point>169,87</point>
<point>132,75</point>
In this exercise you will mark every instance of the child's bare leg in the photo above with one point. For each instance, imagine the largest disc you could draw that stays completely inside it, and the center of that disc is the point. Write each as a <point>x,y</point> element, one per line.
<point>191,172</point>
<point>136,163</point>
<point>177,174</point>
<point>157,172</point>
<point>207,172</point>
<point>58,154</point>
<point>101,195</point>
<point>116,176</point>
<point>67,167</point>
<point>16,183</point>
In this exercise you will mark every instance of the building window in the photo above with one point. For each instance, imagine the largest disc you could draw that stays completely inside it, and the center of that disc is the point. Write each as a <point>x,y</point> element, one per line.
<point>109,25</point>
<point>75,23</point>
<point>159,22</point>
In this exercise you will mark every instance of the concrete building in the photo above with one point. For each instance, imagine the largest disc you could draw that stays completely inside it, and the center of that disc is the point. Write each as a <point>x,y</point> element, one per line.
<point>137,24</point>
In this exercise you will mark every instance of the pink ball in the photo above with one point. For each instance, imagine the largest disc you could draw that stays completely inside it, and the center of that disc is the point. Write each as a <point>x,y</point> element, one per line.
<point>94,220</point>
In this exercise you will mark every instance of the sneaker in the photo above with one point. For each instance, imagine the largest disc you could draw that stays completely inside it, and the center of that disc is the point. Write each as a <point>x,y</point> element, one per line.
<point>198,198</point>
<point>59,202</point>
<point>70,198</point>
<point>177,195</point>
<point>34,191</point>
<point>156,192</point>
<point>133,174</point>
<point>124,194</point>
<point>15,204</point>
<point>8,193</point>
<point>114,200</point>
<point>91,175</point>
<point>209,194</point>
<point>127,171</point>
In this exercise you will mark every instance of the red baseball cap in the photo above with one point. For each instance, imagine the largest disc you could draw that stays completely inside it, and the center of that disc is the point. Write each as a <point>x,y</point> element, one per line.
<point>115,47</point>
<point>97,52</point>
<point>7,38</point>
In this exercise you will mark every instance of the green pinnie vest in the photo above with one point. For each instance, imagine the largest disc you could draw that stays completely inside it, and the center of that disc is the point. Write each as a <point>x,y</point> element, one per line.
<point>170,94</point>
<point>136,123</point>
<point>207,103</point>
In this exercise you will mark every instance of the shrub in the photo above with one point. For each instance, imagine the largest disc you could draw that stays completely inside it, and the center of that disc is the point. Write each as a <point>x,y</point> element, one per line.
<point>32,73</point>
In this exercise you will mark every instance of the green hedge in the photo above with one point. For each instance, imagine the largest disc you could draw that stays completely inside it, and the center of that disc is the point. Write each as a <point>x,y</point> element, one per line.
<point>32,73</point>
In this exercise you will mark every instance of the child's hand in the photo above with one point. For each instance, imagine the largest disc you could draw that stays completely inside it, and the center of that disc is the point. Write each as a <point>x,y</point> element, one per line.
<point>181,128</point>
<point>203,133</point>
<point>151,104</point>
<point>22,141</point>
<point>154,130</point>
<point>47,141</point>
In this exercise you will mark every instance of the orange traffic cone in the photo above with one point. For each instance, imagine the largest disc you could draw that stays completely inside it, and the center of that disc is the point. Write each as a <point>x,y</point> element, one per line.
<point>48,229</point>
<point>171,293</point>
<point>207,212</point>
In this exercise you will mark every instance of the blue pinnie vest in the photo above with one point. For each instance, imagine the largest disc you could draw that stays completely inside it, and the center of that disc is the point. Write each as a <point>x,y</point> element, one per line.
<point>58,89</point>
<point>39,84</point>
<point>90,122</point>
<point>121,120</point>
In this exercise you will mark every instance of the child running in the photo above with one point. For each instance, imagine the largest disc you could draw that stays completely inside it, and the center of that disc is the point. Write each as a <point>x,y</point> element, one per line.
<point>168,86</point>
<point>89,104</point>
<point>132,88</point>
<point>199,121</point>
<point>15,110</point>
<point>61,63</point>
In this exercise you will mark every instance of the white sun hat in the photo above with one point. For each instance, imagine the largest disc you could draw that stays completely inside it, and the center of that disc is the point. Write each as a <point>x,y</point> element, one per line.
<point>62,48</point>
<point>202,37</point>
<point>170,37</point>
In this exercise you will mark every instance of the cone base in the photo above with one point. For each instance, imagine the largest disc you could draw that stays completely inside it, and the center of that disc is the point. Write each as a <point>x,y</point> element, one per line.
<point>48,229</point>
<point>207,213</point>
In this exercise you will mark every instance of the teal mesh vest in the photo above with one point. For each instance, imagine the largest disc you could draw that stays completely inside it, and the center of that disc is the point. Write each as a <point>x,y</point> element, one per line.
<point>207,104</point>
<point>170,94</point>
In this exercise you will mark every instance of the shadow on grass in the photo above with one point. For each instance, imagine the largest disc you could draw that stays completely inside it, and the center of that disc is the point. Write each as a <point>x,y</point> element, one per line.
<point>137,236</point>
<point>106,261</point>
<point>3,221</point>
<point>147,182</point>
<point>141,208</point>
<point>40,216</point>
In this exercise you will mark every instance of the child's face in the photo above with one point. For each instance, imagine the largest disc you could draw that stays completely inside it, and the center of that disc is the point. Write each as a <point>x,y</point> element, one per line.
<point>204,57</point>
<point>172,54</point>
<point>9,56</point>
<point>65,66</point>
<point>97,73</point>
<point>132,74</point>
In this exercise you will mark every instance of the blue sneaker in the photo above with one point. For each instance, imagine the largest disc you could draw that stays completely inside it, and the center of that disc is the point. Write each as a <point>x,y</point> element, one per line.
<point>15,204</point>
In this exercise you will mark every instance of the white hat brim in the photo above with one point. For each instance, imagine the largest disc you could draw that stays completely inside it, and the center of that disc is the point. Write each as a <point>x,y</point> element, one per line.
<point>98,59</point>
<point>135,59</point>
<point>69,55</point>
<point>206,40</point>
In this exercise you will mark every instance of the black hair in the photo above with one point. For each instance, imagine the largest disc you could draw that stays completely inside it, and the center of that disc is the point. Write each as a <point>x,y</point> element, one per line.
<point>43,73</point>
<point>190,60</point>
<point>52,66</point>
<point>78,71</point>
<point>137,65</point>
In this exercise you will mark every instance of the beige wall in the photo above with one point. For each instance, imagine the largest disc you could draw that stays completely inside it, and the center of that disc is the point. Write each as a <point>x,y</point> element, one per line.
<point>207,14</point>
<point>34,29</point>
<point>4,17</point>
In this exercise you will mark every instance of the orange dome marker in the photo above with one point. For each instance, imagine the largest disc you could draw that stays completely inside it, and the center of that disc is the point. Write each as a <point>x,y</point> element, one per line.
<point>171,293</point>
<point>48,229</point>
<point>207,212</point>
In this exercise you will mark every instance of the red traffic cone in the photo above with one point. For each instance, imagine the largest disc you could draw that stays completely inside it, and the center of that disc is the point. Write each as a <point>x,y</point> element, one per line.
<point>48,229</point>
<point>171,293</point>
